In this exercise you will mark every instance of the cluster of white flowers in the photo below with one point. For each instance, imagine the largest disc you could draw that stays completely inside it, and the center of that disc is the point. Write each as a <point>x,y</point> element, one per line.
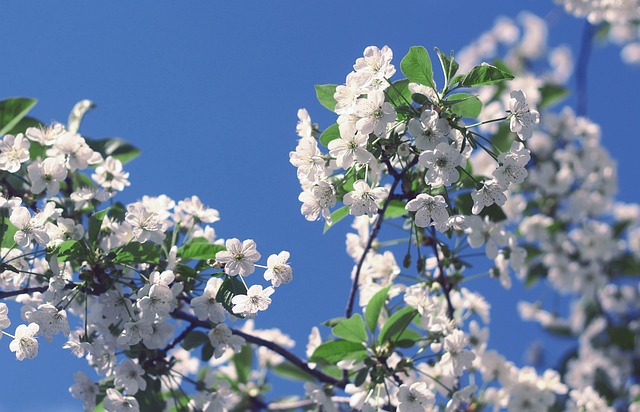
<point>125,273</point>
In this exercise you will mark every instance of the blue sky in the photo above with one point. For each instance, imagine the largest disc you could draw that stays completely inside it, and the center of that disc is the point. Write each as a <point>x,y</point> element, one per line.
<point>209,93</point>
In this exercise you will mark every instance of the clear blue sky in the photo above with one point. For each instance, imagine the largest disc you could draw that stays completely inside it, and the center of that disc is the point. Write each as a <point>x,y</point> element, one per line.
<point>209,93</point>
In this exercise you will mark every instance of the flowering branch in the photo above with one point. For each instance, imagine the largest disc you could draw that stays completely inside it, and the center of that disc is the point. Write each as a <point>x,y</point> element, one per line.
<point>269,345</point>
<point>397,178</point>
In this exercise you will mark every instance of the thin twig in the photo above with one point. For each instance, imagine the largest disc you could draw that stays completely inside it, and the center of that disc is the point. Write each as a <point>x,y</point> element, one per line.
<point>374,234</point>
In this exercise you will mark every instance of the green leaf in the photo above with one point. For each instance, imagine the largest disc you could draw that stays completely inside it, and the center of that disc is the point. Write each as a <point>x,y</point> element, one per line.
<point>12,111</point>
<point>408,338</point>
<point>95,223</point>
<point>626,264</point>
<point>71,249</point>
<point>22,126</point>
<point>449,65</point>
<point>333,321</point>
<point>136,252</point>
<point>196,249</point>
<point>484,75</point>
<point>464,204</point>
<point>397,324</point>
<point>416,66</point>
<point>375,305</point>
<point>361,377</point>
<point>206,352</point>
<point>151,398</point>
<point>395,209</point>
<point>351,329</point>
<point>551,94</point>
<point>622,337</point>
<point>336,350</point>
<point>231,286</point>
<point>288,370</point>
<point>242,362</point>
<point>8,230</point>
<point>325,93</point>
<point>398,93</point>
<point>331,133</point>
<point>465,105</point>
<point>337,216</point>
<point>115,147</point>
<point>194,339</point>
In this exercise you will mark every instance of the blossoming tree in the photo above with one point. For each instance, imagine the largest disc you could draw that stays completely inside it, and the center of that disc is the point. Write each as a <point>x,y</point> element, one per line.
<point>472,154</point>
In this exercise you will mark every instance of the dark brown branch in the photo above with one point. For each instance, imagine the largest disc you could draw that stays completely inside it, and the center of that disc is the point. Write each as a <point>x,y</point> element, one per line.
<point>322,377</point>
<point>11,293</point>
<point>397,178</point>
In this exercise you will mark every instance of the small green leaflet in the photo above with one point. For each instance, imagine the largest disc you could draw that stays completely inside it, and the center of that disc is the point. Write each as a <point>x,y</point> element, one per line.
<point>416,66</point>
<point>325,93</point>
<point>337,350</point>
<point>337,216</point>
<point>231,286</point>
<point>374,307</point>
<point>115,147</point>
<point>330,133</point>
<point>351,329</point>
<point>397,324</point>
<point>465,105</point>
<point>194,339</point>
<point>195,249</point>
<point>484,75</point>
<point>449,65</point>
<point>12,111</point>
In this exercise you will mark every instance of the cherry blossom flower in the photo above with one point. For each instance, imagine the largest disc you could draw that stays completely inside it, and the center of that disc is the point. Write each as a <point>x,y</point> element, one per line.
<point>429,130</point>
<point>85,390</point>
<point>317,200</point>
<point>147,226</point>
<point>512,165</point>
<point>278,269</point>
<point>205,306</point>
<point>374,113</point>
<point>25,344</point>
<point>14,150</point>
<point>50,320</point>
<point>129,375</point>
<point>117,402</point>
<point>523,119</point>
<point>490,192</point>
<point>364,200</point>
<point>441,164</point>
<point>4,317</point>
<point>350,149</point>
<point>29,228</point>
<point>254,301</point>
<point>110,176</point>
<point>429,208</point>
<point>221,338</point>
<point>239,257</point>
<point>415,398</point>
<point>47,175</point>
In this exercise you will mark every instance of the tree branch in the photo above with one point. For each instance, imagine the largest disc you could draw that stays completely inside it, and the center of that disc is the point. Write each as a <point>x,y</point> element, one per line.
<point>374,231</point>
<point>322,377</point>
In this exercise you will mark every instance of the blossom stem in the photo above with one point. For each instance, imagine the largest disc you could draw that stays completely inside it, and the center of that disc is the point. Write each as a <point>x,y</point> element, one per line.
<point>489,121</point>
